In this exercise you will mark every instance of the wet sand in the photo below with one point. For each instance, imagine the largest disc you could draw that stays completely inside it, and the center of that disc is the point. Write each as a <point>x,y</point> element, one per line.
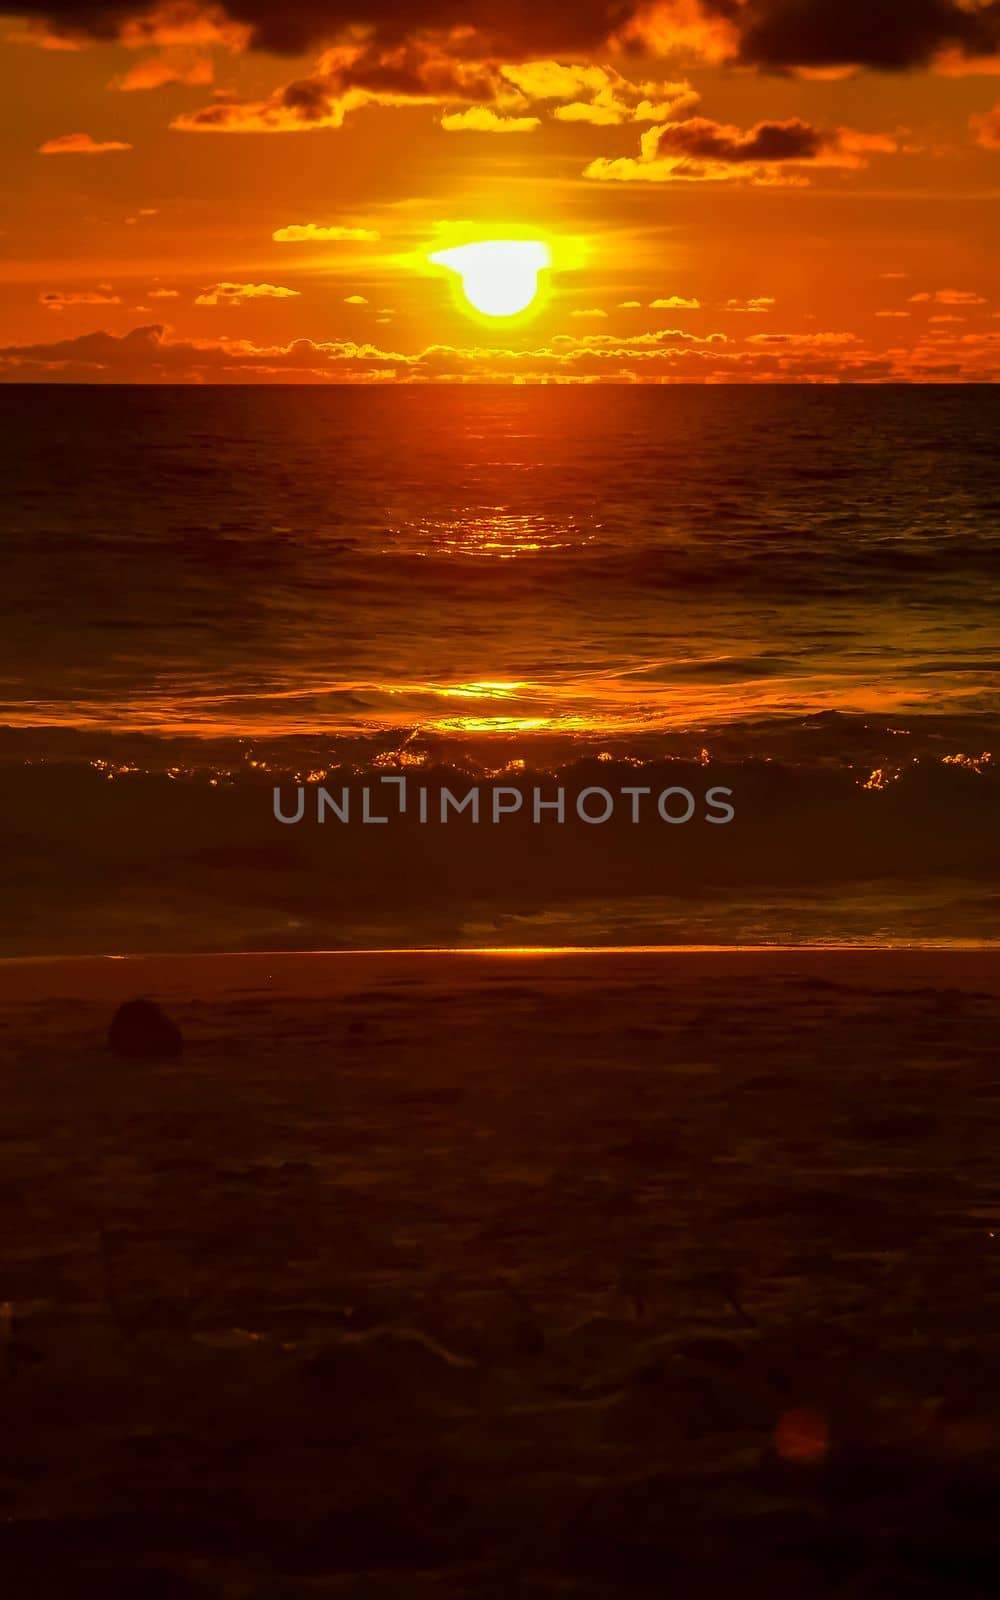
<point>489,1275</point>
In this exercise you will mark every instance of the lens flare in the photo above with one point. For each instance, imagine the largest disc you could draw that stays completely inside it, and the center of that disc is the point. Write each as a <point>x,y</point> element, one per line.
<point>499,276</point>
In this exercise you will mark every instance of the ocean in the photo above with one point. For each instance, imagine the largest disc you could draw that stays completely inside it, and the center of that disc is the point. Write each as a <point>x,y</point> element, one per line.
<point>791,593</point>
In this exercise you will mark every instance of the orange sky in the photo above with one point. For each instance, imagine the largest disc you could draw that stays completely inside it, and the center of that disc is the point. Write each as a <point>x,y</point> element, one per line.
<point>808,186</point>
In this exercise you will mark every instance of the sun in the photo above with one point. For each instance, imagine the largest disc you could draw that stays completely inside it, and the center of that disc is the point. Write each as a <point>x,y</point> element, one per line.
<point>499,276</point>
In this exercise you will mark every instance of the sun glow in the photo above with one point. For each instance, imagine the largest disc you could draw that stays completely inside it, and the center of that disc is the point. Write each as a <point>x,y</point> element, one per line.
<point>499,276</point>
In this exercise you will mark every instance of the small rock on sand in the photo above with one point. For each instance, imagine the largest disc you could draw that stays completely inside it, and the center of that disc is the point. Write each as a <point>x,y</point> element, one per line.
<point>139,1029</point>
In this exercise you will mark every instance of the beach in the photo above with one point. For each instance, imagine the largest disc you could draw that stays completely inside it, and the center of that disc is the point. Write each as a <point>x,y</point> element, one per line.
<point>494,1273</point>
<point>499,780</point>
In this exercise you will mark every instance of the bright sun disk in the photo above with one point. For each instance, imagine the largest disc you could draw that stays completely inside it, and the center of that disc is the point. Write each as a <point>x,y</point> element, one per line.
<point>499,276</point>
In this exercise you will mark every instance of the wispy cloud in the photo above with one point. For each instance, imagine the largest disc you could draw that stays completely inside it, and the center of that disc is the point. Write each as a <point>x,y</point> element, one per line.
<point>948,297</point>
<point>182,64</point>
<point>61,299</point>
<point>235,294</point>
<point>80,144</point>
<point>987,129</point>
<point>321,232</point>
<point>483,119</point>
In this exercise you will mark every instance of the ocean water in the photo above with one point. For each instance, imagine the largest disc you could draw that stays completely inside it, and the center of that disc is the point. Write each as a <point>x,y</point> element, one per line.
<point>209,591</point>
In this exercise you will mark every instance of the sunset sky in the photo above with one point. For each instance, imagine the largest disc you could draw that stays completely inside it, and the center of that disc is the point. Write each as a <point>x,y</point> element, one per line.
<point>731,190</point>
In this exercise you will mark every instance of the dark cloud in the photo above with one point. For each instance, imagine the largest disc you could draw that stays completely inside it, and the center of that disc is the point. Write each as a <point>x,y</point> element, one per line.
<point>308,98</point>
<point>775,35</point>
<point>288,27</point>
<point>703,140</point>
<point>152,354</point>
<point>413,70</point>
<point>889,35</point>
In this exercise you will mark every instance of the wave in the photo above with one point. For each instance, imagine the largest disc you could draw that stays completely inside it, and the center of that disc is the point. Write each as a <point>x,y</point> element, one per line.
<point>119,857</point>
<point>362,731</point>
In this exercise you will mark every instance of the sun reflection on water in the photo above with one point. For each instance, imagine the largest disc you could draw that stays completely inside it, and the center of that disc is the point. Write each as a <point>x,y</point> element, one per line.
<point>495,533</point>
<point>494,724</point>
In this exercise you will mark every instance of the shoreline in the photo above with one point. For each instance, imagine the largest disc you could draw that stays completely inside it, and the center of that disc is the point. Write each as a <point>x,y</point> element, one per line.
<point>323,972</point>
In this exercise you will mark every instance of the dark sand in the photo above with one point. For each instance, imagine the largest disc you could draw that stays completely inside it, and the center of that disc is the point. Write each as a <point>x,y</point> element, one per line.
<point>487,1275</point>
